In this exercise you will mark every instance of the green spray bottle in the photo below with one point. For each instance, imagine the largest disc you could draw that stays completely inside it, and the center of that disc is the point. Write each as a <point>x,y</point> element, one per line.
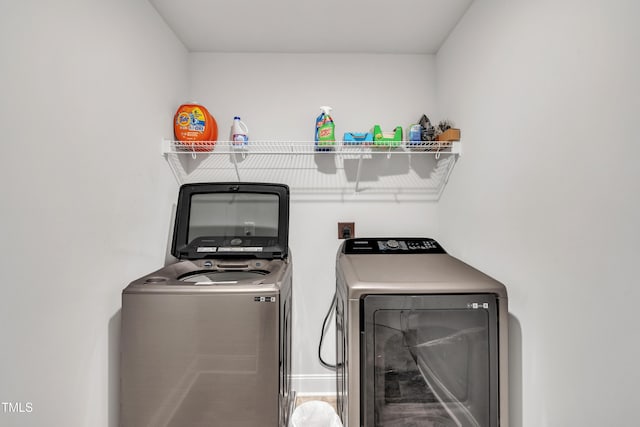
<point>325,129</point>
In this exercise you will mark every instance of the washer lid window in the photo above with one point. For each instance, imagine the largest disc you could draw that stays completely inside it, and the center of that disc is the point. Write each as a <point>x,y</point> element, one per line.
<point>231,220</point>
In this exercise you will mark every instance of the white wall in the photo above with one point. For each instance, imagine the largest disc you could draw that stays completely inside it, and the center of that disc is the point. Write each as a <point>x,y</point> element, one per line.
<point>278,96</point>
<point>545,197</point>
<point>88,91</point>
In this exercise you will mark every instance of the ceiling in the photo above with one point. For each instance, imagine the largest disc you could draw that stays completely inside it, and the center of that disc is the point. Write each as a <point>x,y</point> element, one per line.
<point>305,26</point>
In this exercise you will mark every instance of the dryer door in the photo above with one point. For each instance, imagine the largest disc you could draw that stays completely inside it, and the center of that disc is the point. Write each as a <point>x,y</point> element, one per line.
<point>430,360</point>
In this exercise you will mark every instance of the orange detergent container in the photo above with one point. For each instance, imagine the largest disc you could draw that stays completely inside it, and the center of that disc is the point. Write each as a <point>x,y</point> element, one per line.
<point>195,128</point>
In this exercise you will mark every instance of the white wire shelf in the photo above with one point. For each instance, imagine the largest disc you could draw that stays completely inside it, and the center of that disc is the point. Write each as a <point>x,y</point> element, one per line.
<point>341,171</point>
<point>309,147</point>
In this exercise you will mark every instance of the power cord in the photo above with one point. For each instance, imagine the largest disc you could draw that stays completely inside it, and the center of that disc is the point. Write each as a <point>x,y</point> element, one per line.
<point>324,331</point>
<point>346,234</point>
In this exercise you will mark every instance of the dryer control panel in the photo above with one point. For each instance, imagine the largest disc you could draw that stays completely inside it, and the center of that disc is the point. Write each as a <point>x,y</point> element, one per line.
<point>414,245</point>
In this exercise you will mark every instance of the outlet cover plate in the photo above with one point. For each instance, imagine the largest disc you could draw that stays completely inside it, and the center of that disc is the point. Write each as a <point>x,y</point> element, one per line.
<point>350,225</point>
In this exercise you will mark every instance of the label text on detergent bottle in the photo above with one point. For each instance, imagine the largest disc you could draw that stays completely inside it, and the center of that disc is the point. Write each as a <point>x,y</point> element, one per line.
<point>324,132</point>
<point>183,119</point>
<point>197,120</point>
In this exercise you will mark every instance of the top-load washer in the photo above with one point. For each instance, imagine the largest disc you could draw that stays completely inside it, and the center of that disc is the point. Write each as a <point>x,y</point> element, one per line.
<point>421,337</point>
<point>206,341</point>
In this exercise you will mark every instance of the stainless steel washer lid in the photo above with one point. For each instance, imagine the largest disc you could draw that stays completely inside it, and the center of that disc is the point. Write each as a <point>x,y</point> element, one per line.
<point>230,220</point>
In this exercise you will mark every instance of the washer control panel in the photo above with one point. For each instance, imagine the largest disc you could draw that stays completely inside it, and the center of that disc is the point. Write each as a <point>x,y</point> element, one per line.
<point>416,245</point>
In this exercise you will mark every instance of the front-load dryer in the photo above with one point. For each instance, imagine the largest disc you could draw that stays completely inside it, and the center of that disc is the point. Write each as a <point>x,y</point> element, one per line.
<point>421,337</point>
<point>206,341</point>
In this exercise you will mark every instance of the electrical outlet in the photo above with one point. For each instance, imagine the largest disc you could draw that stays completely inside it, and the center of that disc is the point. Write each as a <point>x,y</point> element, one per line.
<point>346,230</point>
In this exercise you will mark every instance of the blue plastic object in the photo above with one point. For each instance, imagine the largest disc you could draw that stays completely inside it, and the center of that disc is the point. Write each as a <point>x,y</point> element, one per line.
<point>354,138</point>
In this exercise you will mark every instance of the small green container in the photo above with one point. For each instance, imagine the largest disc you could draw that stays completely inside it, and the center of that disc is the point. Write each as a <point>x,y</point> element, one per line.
<point>380,139</point>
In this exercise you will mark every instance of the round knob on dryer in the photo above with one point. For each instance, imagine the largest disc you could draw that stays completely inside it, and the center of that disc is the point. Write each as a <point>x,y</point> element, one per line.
<point>392,244</point>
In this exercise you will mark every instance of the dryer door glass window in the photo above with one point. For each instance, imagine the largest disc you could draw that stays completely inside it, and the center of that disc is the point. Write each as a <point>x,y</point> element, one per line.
<point>430,360</point>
